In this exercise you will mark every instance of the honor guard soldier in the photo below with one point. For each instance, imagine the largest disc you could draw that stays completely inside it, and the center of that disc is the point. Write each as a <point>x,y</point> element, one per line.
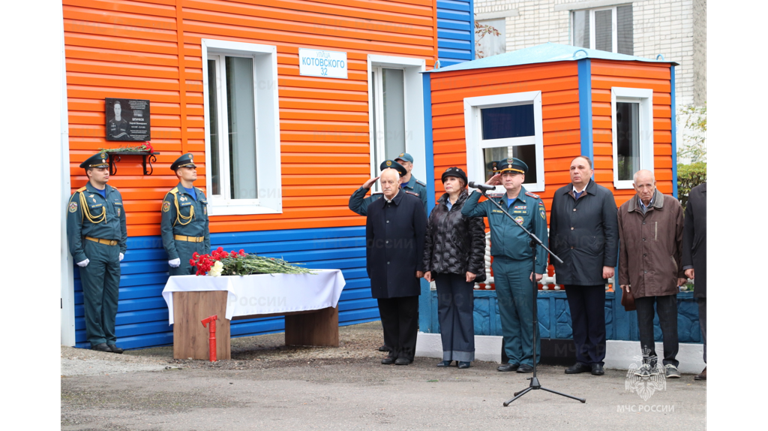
<point>512,257</point>
<point>358,203</point>
<point>184,223</point>
<point>97,240</point>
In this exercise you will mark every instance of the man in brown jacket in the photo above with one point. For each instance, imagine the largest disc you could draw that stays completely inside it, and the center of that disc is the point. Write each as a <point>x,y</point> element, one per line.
<point>651,234</point>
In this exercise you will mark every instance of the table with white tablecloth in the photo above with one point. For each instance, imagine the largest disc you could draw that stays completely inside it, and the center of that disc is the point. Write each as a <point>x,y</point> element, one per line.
<point>309,303</point>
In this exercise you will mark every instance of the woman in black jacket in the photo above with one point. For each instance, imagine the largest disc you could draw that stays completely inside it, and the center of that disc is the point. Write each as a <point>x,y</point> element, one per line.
<point>454,252</point>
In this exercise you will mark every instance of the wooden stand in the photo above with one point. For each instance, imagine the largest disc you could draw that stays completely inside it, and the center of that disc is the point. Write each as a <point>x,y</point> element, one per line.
<point>190,338</point>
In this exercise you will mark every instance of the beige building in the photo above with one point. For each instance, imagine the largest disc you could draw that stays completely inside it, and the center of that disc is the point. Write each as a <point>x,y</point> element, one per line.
<point>675,29</point>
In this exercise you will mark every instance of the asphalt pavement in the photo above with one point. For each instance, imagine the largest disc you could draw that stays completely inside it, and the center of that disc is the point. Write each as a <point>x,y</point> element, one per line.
<point>284,389</point>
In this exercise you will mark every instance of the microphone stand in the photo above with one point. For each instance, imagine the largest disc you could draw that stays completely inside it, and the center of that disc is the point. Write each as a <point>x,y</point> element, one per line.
<point>534,242</point>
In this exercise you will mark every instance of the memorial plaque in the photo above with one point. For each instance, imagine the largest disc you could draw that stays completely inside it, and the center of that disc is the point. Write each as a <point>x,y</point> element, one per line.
<point>127,119</point>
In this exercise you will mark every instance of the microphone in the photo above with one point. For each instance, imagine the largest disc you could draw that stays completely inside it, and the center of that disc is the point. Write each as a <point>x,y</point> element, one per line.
<point>484,187</point>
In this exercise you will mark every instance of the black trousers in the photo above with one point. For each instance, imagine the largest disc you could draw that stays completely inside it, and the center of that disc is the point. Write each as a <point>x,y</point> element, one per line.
<point>400,319</point>
<point>703,323</point>
<point>666,307</point>
<point>455,305</point>
<point>587,305</point>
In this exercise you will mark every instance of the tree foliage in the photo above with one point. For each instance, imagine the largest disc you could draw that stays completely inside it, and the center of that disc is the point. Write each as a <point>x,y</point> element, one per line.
<point>688,177</point>
<point>695,136</point>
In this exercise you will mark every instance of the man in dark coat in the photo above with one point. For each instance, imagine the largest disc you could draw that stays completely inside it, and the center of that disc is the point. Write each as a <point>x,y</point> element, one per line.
<point>695,256</point>
<point>651,233</point>
<point>394,233</point>
<point>583,232</point>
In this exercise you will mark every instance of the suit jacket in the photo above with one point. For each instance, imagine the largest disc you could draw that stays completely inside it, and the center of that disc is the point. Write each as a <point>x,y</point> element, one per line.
<point>584,233</point>
<point>394,234</point>
<point>695,238</point>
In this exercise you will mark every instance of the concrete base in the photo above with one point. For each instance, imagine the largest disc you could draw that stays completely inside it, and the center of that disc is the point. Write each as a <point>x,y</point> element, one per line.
<point>620,355</point>
<point>487,347</point>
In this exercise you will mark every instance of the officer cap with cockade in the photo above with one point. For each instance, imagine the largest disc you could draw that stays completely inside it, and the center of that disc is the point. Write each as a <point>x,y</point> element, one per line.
<point>511,165</point>
<point>98,160</point>
<point>391,164</point>
<point>185,161</point>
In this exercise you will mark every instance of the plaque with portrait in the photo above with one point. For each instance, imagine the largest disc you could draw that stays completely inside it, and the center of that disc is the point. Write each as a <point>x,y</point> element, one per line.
<point>127,120</point>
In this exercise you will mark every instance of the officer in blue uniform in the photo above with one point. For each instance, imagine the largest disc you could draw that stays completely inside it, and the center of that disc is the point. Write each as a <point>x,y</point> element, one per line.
<point>97,239</point>
<point>358,203</point>
<point>512,257</point>
<point>184,222</point>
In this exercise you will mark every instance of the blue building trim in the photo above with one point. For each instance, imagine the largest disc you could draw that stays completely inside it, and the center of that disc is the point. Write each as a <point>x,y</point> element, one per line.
<point>455,31</point>
<point>585,108</point>
<point>425,304</point>
<point>142,317</point>
<point>674,132</point>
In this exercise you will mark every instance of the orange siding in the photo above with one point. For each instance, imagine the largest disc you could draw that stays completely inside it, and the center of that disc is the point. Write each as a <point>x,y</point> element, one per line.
<point>151,49</point>
<point>558,83</point>
<point>608,74</point>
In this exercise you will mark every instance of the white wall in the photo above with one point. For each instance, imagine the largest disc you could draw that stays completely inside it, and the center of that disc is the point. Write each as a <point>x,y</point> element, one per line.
<point>66,282</point>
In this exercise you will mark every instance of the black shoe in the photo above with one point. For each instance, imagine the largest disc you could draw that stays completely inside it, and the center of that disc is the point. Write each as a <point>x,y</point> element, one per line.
<point>388,360</point>
<point>597,370</point>
<point>402,361</point>
<point>383,348</point>
<point>444,364</point>
<point>463,365</point>
<point>508,367</point>
<point>577,368</point>
<point>114,349</point>
<point>524,368</point>
<point>101,347</point>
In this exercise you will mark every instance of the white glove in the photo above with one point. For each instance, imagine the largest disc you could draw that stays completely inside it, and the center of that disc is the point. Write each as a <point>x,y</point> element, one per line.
<point>174,263</point>
<point>121,257</point>
<point>84,263</point>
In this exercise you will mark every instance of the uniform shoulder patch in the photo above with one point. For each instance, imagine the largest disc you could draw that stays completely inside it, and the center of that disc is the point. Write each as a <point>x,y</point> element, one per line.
<point>72,206</point>
<point>166,206</point>
<point>533,195</point>
<point>174,190</point>
<point>419,182</point>
<point>113,187</point>
<point>81,189</point>
<point>412,193</point>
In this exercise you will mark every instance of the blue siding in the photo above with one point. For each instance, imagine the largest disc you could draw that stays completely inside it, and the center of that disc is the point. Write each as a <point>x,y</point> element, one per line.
<point>674,133</point>
<point>585,108</point>
<point>142,316</point>
<point>455,31</point>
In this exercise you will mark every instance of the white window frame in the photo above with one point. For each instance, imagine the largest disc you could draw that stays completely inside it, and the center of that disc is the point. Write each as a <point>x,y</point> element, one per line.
<point>414,111</point>
<point>614,25</point>
<point>267,123</point>
<point>476,145</point>
<point>644,97</point>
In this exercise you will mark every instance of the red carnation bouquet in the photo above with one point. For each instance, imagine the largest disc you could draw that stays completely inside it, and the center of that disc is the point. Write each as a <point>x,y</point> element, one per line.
<point>219,262</point>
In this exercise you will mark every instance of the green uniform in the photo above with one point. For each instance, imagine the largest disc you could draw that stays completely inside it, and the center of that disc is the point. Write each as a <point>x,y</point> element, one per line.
<point>358,203</point>
<point>512,265</point>
<point>93,217</point>
<point>184,227</point>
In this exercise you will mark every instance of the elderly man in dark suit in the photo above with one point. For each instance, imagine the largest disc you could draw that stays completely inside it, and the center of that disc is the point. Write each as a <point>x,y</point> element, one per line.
<point>583,232</point>
<point>395,231</point>
<point>695,256</point>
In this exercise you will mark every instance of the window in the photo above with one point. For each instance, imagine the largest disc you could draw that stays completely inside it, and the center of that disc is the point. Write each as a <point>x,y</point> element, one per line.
<point>396,112</point>
<point>242,131</point>
<point>503,126</point>
<point>632,112</point>
<point>488,43</point>
<point>607,29</point>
